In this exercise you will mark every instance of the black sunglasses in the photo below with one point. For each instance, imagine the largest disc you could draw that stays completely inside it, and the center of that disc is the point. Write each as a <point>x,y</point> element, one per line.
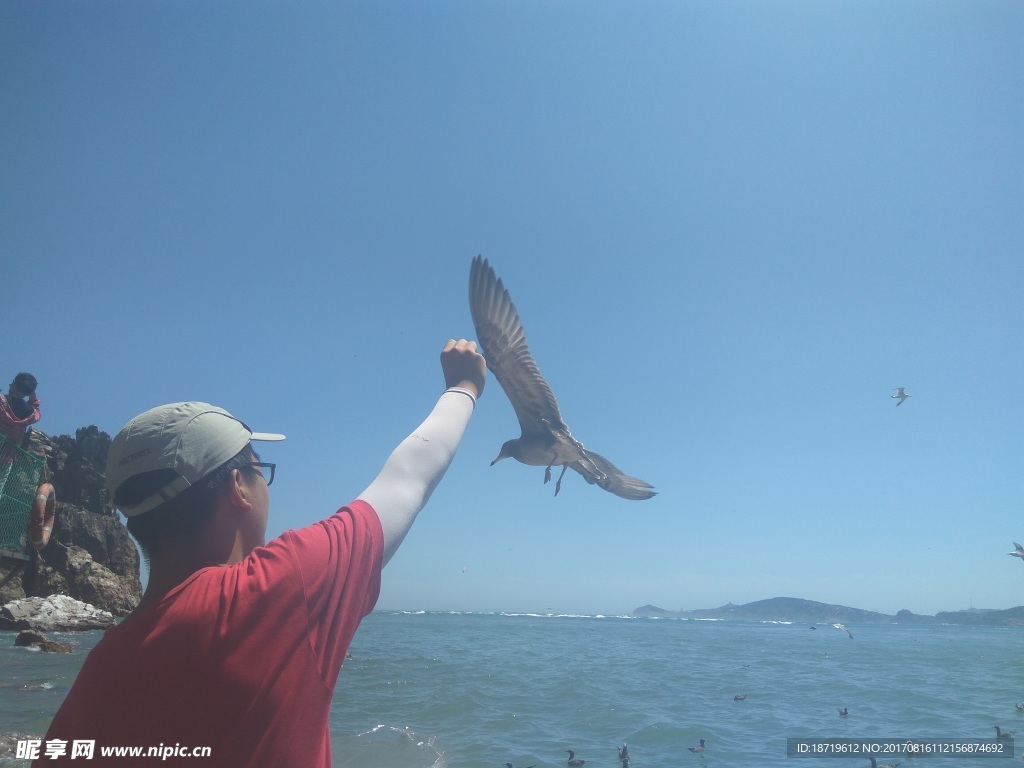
<point>261,467</point>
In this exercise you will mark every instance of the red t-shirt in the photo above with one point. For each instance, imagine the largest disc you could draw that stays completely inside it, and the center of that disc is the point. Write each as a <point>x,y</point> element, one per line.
<point>14,426</point>
<point>242,659</point>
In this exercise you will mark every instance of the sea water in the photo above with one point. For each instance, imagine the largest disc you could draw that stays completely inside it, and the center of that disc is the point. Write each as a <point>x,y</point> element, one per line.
<point>459,690</point>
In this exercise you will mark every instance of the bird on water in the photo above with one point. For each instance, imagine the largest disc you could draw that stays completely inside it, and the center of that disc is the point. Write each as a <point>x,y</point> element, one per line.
<point>1001,734</point>
<point>545,440</point>
<point>624,755</point>
<point>697,749</point>
<point>573,761</point>
<point>876,764</point>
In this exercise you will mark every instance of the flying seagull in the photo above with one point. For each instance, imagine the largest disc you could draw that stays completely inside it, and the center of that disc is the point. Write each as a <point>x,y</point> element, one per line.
<point>545,440</point>
<point>1019,553</point>
<point>840,626</point>
<point>901,394</point>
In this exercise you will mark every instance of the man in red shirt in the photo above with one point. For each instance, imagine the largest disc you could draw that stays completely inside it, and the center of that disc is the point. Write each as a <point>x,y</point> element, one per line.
<point>232,656</point>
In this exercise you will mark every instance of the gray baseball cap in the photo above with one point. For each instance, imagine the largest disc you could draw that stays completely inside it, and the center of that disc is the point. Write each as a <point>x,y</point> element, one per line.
<point>193,439</point>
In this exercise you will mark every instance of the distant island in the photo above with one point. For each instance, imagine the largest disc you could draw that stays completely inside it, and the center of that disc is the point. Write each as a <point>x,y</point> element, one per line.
<point>811,612</point>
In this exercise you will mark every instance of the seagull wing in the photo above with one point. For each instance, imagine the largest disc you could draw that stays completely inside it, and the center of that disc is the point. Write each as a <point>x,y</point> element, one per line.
<point>1018,547</point>
<point>500,332</point>
<point>601,471</point>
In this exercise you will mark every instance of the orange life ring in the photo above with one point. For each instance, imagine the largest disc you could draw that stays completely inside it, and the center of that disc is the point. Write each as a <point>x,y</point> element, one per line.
<point>41,522</point>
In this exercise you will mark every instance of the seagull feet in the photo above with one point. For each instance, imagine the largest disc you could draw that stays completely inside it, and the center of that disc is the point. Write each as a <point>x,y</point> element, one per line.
<point>558,485</point>
<point>547,479</point>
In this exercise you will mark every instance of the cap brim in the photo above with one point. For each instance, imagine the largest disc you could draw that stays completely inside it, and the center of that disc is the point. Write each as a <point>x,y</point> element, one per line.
<point>266,436</point>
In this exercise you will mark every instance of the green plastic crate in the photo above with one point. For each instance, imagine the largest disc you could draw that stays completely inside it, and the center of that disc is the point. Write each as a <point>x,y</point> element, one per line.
<point>22,471</point>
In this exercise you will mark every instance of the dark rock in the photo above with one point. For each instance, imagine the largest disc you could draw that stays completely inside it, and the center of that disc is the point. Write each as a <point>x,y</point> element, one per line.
<point>105,539</point>
<point>11,573</point>
<point>71,570</point>
<point>90,555</point>
<point>29,637</point>
<point>75,466</point>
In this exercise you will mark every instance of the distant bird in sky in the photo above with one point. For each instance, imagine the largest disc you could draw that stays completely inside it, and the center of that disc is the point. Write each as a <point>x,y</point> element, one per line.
<point>901,394</point>
<point>545,440</point>
<point>697,749</point>
<point>1019,551</point>
<point>840,626</point>
<point>572,759</point>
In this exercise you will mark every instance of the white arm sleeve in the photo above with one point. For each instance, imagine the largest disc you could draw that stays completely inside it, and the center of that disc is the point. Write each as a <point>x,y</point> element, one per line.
<point>417,465</point>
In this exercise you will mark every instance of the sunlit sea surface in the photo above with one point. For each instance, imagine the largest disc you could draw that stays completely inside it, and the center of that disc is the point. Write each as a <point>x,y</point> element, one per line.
<point>479,690</point>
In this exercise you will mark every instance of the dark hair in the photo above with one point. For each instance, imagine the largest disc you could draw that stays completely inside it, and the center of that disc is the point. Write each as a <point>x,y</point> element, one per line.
<point>183,520</point>
<point>26,382</point>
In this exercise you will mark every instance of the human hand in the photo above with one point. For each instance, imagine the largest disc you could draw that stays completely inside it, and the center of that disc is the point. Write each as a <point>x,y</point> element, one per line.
<point>463,366</point>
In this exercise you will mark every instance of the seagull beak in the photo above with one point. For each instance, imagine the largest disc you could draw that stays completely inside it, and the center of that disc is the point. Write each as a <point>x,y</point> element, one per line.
<point>504,453</point>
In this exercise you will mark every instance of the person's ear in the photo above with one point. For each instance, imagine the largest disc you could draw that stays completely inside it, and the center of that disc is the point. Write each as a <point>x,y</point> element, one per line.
<point>239,494</point>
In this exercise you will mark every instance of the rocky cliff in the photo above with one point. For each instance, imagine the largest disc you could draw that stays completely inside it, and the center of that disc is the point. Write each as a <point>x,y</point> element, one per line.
<point>90,556</point>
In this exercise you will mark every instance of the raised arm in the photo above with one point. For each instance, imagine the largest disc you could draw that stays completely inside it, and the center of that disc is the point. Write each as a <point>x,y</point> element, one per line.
<point>417,465</point>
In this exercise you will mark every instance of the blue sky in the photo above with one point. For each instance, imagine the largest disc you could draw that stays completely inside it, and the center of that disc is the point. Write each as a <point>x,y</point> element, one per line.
<point>731,229</point>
